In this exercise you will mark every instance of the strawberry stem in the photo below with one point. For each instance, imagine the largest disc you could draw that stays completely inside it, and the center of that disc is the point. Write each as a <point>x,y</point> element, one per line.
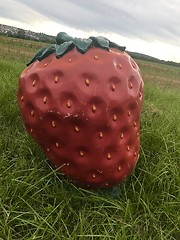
<point>65,43</point>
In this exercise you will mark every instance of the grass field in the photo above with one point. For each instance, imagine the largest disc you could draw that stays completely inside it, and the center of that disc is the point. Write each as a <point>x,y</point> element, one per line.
<point>36,204</point>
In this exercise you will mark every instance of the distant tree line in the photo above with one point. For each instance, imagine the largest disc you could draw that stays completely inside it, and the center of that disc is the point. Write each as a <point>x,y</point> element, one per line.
<point>144,57</point>
<point>28,35</point>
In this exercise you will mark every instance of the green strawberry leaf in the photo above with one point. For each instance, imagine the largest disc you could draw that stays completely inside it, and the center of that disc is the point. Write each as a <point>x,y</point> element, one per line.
<point>63,37</point>
<point>64,48</point>
<point>39,52</point>
<point>48,51</point>
<point>115,45</point>
<point>100,42</point>
<point>83,45</point>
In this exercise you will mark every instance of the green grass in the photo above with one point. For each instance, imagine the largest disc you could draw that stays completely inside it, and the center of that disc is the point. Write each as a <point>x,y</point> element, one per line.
<point>38,203</point>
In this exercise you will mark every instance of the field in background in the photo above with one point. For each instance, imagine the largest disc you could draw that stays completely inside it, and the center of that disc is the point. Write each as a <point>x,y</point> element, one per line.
<point>35,204</point>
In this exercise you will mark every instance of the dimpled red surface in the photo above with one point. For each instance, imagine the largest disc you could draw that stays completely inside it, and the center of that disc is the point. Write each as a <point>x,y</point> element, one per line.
<point>84,111</point>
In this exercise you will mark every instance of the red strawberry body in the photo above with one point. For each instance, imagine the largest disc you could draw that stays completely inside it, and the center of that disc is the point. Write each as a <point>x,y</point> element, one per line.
<point>84,111</point>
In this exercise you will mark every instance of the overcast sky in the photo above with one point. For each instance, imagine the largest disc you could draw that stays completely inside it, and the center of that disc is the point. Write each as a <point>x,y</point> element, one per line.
<point>147,26</point>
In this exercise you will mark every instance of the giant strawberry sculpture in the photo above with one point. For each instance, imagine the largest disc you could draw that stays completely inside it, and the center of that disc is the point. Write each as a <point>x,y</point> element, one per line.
<point>81,100</point>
